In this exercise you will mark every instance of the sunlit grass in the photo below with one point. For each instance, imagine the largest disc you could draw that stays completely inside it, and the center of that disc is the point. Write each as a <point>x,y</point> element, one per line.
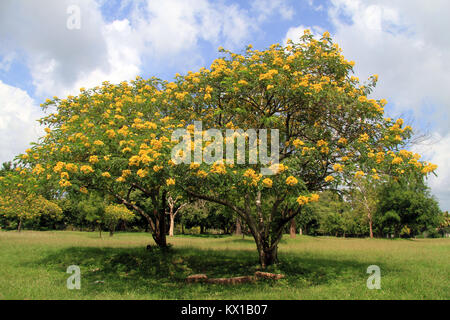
<point>33,266</point>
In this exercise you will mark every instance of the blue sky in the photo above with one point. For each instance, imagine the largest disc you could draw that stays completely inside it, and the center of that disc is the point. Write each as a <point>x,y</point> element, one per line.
<point>401,41</point>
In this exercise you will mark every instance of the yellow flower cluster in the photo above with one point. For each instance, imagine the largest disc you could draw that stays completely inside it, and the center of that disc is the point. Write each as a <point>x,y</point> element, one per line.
<point>93,159</point>
<point>64,183</point>
<point>142,173</point>
<point>251,174</point>
<point>218,168</point>
<point>59,166</point>
<point>321,143</point>
<point>194,166</point>
<point>202,174</point>
<point>86,169</point>
<point>428,168</point>
<point>83,190</point>
<point>364,137</point>
<point>397,160</point>
<point>38,169</point>
<point>291,181</point>
<point>298,143</point>
<point>278,168</point>
<point>302,200</point>
<point>269,75</point>
<point>170,182</point>
<point>267,183</point>
<point>359,174</point>
<point>134,161</point>
<point>98,143</point>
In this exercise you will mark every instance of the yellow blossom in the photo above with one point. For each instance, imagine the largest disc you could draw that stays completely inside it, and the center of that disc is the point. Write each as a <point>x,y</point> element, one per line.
<point>86,169</point>
<point>267,183</point>
<point>142,173</point>
<point>359,174</point>
<point>93,159</point>
<point>291,181</point>
<point>106,174</point>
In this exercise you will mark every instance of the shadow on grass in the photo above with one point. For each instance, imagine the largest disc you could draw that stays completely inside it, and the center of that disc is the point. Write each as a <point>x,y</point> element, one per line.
<point>125,270</point>
<point>204,235</point>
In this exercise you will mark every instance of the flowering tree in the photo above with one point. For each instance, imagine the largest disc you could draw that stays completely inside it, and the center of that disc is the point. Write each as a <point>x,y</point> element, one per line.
<point>114,140</point>
<point>330,132</point>
<point>20,200</point>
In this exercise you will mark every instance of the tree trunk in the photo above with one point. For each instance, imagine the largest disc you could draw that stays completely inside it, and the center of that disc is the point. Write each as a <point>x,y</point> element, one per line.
<point>301,231</point>
<point>370,228</point>
<point>19,228</point>
<point>238,230</point>
<point>267,256</point>
<point>267,250</point>
<point>160,229</point>
<point>292,229</point>
<point>172,224</point>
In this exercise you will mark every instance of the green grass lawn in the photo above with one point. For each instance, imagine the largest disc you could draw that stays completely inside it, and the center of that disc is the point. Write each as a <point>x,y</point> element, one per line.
<point>33,266</point>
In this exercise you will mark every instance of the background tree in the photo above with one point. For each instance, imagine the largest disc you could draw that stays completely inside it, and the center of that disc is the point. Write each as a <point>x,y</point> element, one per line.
<point>444,226</point>
<point>20,201</point>
<point>407,206</point>
<point>174,206</point>
<point>92,209</point>
<point>115,213</point>
<point>308,221</point>
<point>364,197</point>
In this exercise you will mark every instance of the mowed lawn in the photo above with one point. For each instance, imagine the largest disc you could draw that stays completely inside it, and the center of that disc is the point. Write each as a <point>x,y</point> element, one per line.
<point>33,266</point>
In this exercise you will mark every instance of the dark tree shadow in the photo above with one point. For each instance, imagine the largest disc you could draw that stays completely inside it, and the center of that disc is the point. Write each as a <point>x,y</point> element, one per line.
<point>205,235</point>
<point>163,273</point>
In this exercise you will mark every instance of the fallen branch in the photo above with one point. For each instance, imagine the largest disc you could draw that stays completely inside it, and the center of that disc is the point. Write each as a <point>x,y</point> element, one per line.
<point>203,278</point>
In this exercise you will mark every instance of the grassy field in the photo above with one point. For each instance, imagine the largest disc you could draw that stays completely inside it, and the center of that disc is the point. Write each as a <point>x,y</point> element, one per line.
<point>33,266</point>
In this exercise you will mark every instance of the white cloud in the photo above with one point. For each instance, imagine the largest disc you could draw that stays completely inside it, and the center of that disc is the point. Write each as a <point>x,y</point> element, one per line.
<point>266,8</point>
<point>402,42</point>
<point>438,152</point>
<point>295,33</point>
<point>55,55</point>
<point>6,61</point>
<point>312,3</point>
<point>167,32</point>
<point>18,125</point>
<point>122,57</point>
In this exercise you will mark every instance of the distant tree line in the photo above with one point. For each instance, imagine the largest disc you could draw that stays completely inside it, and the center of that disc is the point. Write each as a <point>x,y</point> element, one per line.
<point>399,209</point>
